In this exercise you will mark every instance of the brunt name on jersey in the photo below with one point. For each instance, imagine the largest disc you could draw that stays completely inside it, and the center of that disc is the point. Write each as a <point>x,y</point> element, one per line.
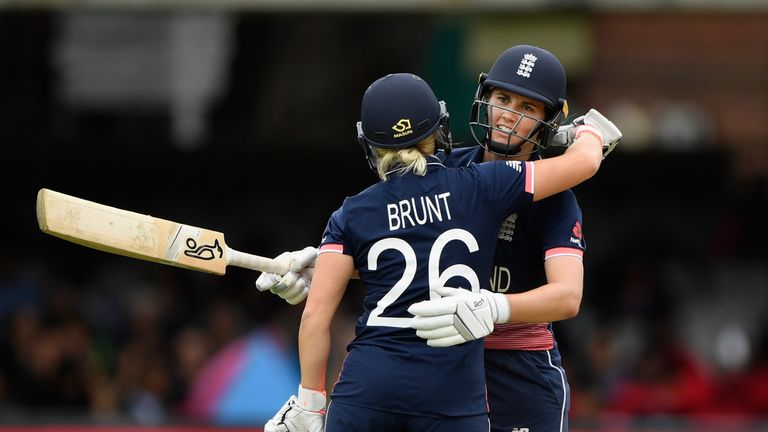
<point>418,211</point>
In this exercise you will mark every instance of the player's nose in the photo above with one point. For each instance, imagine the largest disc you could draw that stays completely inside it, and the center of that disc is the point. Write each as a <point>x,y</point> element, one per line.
<point>510,114</point>
<point>510,117</point>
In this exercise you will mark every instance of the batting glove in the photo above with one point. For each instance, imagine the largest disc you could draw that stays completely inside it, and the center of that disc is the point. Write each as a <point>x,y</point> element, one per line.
<point>459,316</point>
<point>302,413</point>
<point>592,122</point>
<point>293,286</point>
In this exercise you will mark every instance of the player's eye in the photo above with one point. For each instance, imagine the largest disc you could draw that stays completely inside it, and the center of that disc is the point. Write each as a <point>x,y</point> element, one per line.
<point>501,99</point>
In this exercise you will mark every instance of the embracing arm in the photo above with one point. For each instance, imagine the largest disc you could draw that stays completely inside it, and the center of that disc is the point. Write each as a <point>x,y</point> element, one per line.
<point>332,273</point>
<point>558,299</point>
<point>461,315</point>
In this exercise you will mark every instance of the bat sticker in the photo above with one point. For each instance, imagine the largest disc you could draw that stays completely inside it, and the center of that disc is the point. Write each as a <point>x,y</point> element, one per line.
<point>204,252</point>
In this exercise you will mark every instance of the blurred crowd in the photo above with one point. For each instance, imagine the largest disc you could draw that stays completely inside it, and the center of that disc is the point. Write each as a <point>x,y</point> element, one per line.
<point>646,363</point>
<point>82,347</point>
<point>127,343</point>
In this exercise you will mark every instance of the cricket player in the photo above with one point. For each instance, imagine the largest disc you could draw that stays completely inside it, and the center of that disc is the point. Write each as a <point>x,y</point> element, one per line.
<point>423,232</point>
<point>538,260</point>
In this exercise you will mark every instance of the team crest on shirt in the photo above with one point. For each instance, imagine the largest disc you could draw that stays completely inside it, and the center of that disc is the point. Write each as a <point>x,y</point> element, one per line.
<point>576,236</point>
<point>508,228</point>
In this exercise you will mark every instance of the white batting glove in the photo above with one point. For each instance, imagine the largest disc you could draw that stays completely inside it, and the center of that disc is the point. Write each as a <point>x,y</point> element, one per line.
<point>293,286</point>
<point>610,133</point>
<point>304,412</point>
<point>593,122</point>
<point>459,316</point>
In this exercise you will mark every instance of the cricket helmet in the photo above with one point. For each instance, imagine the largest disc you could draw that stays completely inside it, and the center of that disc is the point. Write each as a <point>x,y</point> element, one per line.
<point>529,71</point>
<point>398,111</point>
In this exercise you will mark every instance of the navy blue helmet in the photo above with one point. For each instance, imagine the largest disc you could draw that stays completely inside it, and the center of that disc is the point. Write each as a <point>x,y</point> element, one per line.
<point>398,111</point>
<point>529,71</point>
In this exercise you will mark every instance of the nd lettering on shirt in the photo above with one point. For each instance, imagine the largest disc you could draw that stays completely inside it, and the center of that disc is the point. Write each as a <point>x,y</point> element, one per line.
<point>418,211</point>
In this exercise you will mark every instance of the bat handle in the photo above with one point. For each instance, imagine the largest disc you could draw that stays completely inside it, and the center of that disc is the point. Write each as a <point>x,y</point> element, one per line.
<point>255,262</point>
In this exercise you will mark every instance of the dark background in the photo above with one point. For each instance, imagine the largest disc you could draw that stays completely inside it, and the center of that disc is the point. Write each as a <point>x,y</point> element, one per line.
<point>242,120</point>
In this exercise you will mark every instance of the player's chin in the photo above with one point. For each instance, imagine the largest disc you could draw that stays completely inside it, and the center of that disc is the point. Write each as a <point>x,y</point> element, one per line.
<point>502,138</point>
<point>506,139</point>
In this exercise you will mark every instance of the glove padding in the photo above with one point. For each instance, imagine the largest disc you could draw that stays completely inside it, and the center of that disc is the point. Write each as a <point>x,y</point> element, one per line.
<point>302,413</point>
<point>459,316</point>
<point>593,122</point>
<point>293,287</point>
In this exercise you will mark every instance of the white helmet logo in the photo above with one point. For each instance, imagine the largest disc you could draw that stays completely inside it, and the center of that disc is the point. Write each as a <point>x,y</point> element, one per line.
<point>526,65</point>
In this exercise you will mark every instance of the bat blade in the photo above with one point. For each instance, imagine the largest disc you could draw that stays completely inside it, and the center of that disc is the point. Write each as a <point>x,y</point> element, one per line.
<point>136,235</point>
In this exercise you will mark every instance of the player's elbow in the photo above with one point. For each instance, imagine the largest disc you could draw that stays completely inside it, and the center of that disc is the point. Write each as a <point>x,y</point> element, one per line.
<point>315,317</point>
<point>570,303</point>
<point>572,306</point>
<point>571,309</point>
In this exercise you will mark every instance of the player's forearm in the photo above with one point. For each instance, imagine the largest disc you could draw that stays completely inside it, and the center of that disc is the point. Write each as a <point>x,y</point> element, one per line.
<point>314,349</point>
<point>547,303</point>
<point>587,152</point>
<point>332,272</point>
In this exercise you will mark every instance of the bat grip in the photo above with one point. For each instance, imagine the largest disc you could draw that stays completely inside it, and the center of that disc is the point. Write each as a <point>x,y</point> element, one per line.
<point>255,262</point>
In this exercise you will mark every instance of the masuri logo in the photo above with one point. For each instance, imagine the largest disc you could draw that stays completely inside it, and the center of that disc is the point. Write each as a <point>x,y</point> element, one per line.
<point>402,127</point>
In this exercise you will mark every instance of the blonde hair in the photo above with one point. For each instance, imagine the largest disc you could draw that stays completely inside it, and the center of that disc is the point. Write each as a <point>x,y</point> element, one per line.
<point>407,159</point>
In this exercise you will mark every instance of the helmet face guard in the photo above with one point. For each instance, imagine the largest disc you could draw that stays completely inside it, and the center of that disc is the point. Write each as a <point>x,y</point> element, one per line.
<point>370,155</point>
<point>531,72</point>
<point>481,127</point>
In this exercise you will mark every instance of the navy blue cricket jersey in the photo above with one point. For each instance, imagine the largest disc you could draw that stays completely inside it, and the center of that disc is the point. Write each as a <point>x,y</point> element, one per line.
<point>405,235</point>
<point>528,236</point>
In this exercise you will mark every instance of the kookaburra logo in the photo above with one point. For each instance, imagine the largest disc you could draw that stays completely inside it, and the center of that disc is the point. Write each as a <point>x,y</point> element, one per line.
<point>402,127</point>
<point>203,252</point>
<point>526,65</point>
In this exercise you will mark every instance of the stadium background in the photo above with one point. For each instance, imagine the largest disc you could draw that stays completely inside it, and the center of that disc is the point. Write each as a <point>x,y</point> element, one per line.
<point>239,116</point>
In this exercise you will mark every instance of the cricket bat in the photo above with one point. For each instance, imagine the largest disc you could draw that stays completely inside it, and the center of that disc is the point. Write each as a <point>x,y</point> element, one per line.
<point>144,237</point>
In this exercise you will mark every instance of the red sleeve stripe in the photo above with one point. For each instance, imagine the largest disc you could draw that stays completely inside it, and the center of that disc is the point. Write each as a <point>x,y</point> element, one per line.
<point>332,247</point>
<point>561,251</point>
<point>529,177</point>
